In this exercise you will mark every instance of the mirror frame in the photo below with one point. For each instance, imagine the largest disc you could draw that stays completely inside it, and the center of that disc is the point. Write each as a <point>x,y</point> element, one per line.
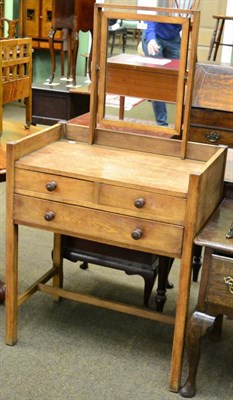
<point>189,20</point>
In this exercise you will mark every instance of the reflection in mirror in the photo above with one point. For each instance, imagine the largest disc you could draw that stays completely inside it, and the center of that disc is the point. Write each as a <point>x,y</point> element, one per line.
<point>142,87</point>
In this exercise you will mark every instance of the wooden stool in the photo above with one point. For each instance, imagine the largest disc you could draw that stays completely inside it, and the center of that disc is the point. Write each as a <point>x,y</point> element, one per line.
<point>217,34</point>
<point>130,261</point>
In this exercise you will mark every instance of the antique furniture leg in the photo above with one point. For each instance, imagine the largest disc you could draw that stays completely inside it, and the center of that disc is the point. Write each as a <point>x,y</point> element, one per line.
<point>57,261</point>
<point>197,327</point>
<point>217,42</point>
<point>213,39</point>
<point>2,291</point>
<point>52,53</point>
<point>165,264</point>
<point>196,261</point>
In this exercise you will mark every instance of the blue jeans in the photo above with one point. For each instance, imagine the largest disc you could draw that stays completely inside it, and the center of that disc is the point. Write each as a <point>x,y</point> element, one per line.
<point>168,49</point>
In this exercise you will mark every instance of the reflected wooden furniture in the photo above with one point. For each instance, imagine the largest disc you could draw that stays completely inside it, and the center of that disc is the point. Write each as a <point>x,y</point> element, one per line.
<point>216,288</point>
<point>75,16</point>
<point>16,74</point>
<point>122,66</point>
<point>83,182</point>
<point>216,39</point>
<point>211,119</point>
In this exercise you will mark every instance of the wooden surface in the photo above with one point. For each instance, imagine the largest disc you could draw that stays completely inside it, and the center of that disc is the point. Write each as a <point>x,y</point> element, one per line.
<point>212,89</point>
<point>12,131</point>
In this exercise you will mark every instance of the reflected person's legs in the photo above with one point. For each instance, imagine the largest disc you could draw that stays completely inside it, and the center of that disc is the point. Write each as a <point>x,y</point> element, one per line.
<point>160,112</point>
<point>159,107</point>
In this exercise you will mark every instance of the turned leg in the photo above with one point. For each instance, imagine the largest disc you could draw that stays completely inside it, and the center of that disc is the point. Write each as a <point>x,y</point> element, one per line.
<point>52,53</point>
<point>90,55</point>
<point>165,264</point>
<point>75,55</point>
<point>2,291</point>
<point>218,40</point>
<point>213,39</point>
<point>197,327</point>
<point>196,261</point>
<point>69,53</point>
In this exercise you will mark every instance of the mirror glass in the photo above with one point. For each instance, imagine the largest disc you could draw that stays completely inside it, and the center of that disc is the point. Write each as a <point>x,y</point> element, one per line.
<point>140,87</point>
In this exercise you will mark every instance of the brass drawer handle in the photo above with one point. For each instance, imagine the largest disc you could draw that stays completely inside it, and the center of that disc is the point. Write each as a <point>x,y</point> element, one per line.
<point>139,203</point>
<point>136,234</point>
<point>229,282</point>
<point>49,216</point>
<point>50,186</point>
<point>213,136</point>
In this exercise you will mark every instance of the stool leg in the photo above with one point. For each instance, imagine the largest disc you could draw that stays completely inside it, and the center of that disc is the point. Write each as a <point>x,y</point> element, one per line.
<point>218,40</point>
<point>165,264</point>
<point>213,39</point>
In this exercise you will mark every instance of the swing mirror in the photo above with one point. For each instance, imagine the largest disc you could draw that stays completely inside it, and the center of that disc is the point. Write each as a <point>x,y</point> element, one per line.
<point>130,82</point>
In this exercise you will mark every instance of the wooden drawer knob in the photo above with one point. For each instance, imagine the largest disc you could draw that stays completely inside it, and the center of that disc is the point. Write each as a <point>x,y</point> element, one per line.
<point>49,216</point>
<point>50,186</point>
<point>136,234</point>
<point>139,203</point>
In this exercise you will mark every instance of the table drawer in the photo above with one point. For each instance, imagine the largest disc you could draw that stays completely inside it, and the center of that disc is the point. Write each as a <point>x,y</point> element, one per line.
<point>54,187</point>
<point>144,204</point>
<point>212,118</point>
<point>218,291</point>
<point>105,227</point>
<point>210,135</point>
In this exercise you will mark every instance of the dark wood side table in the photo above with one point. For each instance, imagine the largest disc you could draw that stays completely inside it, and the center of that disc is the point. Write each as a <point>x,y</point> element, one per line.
<point>51,104</point>
<point>211,119</point>
<point>216,287</point>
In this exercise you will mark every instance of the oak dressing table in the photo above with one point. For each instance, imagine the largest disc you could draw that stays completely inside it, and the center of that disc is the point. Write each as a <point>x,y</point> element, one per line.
<point>83,182</point>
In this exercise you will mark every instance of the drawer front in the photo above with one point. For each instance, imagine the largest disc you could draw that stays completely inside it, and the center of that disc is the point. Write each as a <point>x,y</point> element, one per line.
<point>212,118</point>
<point>211,136</point>
<point>120,230</point>
<point>51,186</point>
<point>218,291</point>
<point>144,204</point>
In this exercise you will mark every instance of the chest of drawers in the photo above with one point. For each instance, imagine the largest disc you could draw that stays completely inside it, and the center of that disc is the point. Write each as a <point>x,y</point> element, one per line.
<point>216,287</point>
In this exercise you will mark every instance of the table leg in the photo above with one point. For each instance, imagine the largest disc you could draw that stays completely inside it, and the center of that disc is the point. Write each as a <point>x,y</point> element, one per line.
<point>11,283</point>
<point>197,327</point>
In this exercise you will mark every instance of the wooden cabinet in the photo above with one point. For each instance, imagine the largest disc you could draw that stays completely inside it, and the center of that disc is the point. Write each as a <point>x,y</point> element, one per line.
<point>216,287</point>
<point>35,22</point>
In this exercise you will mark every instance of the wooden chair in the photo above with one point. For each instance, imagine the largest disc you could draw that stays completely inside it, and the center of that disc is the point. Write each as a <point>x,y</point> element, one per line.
<point>217,35</point>
<point>16,74</point>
